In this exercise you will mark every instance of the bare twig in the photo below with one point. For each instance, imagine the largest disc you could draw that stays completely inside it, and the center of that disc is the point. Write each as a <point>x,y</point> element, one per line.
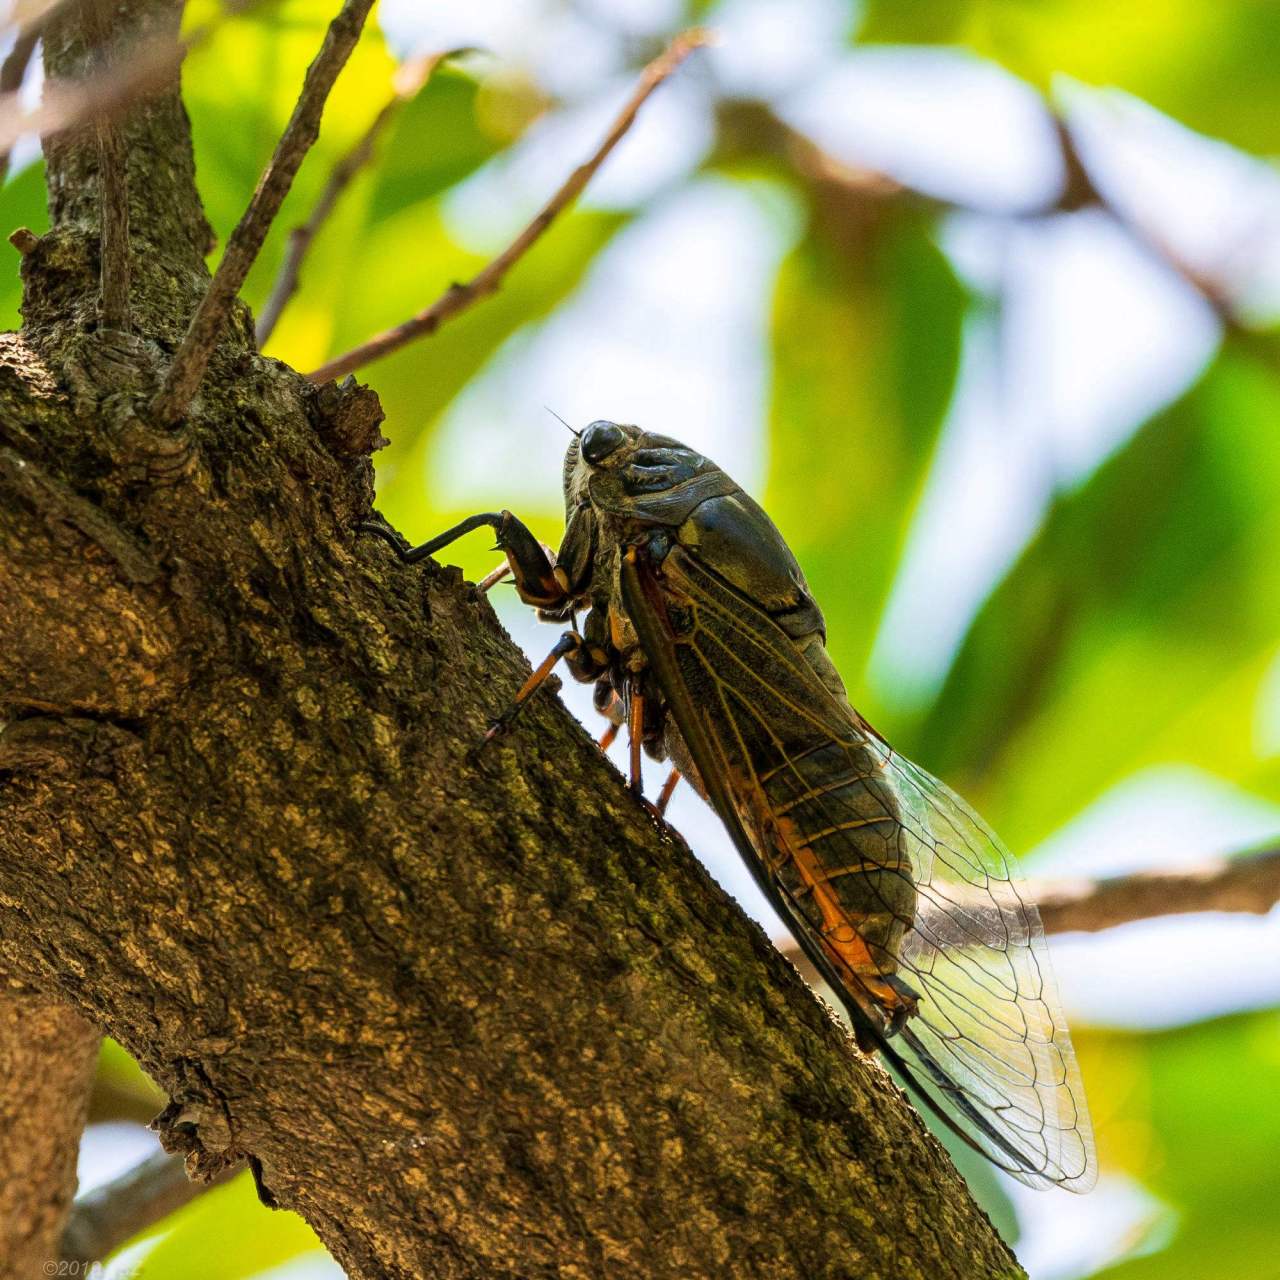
<point>748,127</point>
<point>246,240</point>
<point>459,297</point>
<point>105,1218</point>
<point>1080,190</point>
<point>113,182</point>
<point>408,82</point>
<point>151,64</point>
<point>1248,883</point>
<point>13,72</point>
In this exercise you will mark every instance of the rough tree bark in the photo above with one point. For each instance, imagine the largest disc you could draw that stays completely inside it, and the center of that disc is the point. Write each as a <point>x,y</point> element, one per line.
<point>471,1014</point>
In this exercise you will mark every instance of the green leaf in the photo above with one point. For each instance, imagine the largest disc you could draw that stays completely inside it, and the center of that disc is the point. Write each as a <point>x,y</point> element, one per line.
<point>1194,1113</point>
<point>22,204</point>
<point>866,345</point>
<point>436,140</point>
<point>1137,626</point>
<point>227,1234</point>
<point>1176,54</point>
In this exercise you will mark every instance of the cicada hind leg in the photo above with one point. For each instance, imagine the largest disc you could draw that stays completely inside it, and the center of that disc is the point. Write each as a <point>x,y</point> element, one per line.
<point>885,998</point>
<point>642,711</point>
<point>867,971</point>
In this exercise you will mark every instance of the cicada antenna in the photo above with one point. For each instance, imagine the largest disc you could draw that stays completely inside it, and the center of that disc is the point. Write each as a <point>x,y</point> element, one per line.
<point>558,418</point>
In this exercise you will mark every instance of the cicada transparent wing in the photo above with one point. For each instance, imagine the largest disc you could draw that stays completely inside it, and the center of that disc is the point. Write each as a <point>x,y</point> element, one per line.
<point>989,1014</point>
<point>797,775</point>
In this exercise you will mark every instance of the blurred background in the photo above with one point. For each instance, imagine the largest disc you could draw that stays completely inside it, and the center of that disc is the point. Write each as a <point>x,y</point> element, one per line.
<point>979,298</point>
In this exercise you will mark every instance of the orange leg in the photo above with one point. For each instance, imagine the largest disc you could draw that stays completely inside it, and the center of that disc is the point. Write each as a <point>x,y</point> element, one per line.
<point>635,728</point>
<point>565,645</point>
<point>494,576</point>
<point>609,737</point>
<point>664,796</point>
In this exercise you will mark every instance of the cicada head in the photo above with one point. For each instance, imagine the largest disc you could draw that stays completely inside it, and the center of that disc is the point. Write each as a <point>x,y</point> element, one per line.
<point>637,475</point>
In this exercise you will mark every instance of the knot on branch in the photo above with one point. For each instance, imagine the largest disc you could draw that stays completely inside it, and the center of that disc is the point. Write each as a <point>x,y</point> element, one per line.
<point>69,745</point>
<point>111,374</point>
<point>347,416</point>
<point>197,1125</point>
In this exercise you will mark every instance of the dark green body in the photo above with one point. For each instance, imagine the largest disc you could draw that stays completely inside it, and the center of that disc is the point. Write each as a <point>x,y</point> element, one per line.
<point>794,761</point>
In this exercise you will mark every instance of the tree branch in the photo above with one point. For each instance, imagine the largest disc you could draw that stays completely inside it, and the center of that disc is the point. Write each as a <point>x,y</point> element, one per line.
<point>468,1011</point>
<point>1080,190</point>
<point>750,127</point>
<point>192,357</point>
<point>114,188</point>
<point>409,81</point>
<point>1247,883</point>
<point>109,1216</point>
<point>458,297</point>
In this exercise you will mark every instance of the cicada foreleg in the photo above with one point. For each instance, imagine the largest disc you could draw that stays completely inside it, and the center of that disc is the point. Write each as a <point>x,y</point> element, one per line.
<point>538,581</point>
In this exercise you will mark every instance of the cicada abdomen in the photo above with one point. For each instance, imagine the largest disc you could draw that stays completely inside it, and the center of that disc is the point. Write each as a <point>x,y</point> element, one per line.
<point>822,813</point>
<point>841,858</point>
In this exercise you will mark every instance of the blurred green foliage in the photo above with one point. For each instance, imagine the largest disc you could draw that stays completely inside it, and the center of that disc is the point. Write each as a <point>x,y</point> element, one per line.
<point>1139,625</point>
<point>858,402</point>
<point>1211,66</point>
<point>226,1234</point>
<point>1196,1119</point>
<point>1164,560</point>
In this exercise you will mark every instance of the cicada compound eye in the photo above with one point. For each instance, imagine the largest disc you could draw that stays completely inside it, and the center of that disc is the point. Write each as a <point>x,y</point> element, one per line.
<point>599,440</point>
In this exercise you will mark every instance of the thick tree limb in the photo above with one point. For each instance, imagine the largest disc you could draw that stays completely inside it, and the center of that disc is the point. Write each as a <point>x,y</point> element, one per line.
<point>47,1056</point>
<point>409,81</point>
<point>471,1012</point>
<point>192,357</point>
<point>458,297</point>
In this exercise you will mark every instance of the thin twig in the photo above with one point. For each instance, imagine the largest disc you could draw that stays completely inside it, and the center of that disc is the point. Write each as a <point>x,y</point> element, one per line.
<point>1248,884</point>
<point>459,297</point>
<point>246,240</point>
<point>1080,190</point>
<point>113,183</point>
<point>14,71</point>
<point>151,64</point>
<point>409,81</point>
<point>750,127</point>
<point>109,1216</point>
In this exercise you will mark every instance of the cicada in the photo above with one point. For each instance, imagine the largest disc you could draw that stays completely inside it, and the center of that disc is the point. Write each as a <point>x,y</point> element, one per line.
<point>700,633</point>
